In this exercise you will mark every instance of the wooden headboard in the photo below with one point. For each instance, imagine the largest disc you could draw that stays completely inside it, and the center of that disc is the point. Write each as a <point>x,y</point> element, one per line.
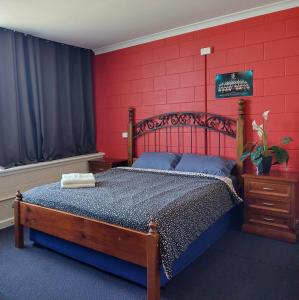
<point>176,122</point>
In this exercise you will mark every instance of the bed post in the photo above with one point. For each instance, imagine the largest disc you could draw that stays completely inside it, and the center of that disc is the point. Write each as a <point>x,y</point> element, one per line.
<point>240,135</point>
<point>19,230</point>
<point>130,136</point>
<point>153,263</point>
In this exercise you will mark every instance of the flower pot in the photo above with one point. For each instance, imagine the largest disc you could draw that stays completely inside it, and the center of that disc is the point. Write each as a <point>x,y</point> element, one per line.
<point>265,166</point>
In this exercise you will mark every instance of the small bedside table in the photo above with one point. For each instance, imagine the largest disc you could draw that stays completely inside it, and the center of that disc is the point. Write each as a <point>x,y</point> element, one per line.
<point>271,205</point>
<point>100,165</point>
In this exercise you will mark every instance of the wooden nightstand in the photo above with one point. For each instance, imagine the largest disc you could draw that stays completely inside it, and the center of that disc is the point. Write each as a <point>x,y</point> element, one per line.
<point>100,165</point>
<point>272,205</point>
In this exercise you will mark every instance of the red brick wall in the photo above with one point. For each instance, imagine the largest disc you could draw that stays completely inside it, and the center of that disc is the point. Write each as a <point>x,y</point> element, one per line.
<point>168,75</point>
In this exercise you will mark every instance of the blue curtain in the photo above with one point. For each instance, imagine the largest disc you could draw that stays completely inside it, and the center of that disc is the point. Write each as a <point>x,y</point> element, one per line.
<point>46,102</point>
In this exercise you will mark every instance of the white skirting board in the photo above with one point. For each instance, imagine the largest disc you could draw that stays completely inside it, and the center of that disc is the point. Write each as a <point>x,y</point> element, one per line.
<point>25,177</point>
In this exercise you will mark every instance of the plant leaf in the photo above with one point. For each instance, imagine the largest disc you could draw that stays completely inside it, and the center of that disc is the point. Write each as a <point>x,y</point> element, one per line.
<point>260,149</point>
<point>286,140</point>
<point>256,160</point>
<point>257,155</point>
<point>248,152</point>
<point>281,155</point>
<point>245,155</point>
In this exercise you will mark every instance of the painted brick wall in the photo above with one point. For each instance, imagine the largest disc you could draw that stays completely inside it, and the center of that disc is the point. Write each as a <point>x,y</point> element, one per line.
<point>167,75</point>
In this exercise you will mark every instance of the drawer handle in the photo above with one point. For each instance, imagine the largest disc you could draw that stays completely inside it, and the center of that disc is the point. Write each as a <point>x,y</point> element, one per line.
<point>268,204</point>
<point>268,189</point>
<point>268,219</point>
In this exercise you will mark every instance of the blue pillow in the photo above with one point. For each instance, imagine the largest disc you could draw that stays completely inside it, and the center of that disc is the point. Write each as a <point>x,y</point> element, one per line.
<point>157,160</point>
<point>213,165</point>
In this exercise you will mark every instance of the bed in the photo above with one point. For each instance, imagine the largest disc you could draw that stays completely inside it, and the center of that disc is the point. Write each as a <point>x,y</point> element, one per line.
<point>135,241</point>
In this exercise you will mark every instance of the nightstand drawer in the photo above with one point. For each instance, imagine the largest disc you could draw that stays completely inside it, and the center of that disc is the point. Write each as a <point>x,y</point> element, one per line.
<point>269,220</point>
<point>268,189</point>
<point>270,204</point>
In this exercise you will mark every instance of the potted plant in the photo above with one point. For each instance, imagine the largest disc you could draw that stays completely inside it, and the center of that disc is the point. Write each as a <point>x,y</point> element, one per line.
<point>263,156</point>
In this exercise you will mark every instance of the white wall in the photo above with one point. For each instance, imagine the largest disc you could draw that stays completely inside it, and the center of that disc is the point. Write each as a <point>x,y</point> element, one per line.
<point>25,177</point>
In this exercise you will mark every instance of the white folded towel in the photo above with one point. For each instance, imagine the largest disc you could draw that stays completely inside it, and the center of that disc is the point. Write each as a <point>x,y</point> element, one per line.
<point>78,178</point>
<point>77,185</point>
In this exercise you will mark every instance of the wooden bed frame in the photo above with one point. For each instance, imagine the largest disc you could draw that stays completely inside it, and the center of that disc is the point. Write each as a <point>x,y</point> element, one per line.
<point>130,245</point>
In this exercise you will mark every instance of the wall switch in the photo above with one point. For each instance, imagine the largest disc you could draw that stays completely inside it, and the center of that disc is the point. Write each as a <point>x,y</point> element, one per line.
<point>124,135</point>
<point>206,51</point>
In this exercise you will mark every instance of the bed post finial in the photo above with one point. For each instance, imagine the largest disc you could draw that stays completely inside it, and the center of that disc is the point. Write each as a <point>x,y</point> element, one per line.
<point>240,135</point>
<point>131,111</point>
<point>241,104</point>
<point>152,227</point>
<point>131,114</point>
<point>19,196</point>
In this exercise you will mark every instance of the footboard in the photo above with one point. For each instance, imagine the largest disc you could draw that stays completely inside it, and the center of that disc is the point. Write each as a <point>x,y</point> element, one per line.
<point>131,245</point>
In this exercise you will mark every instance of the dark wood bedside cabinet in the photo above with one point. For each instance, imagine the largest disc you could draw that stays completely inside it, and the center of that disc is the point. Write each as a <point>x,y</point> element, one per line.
<point>103,164</point>
<point>271,205</point>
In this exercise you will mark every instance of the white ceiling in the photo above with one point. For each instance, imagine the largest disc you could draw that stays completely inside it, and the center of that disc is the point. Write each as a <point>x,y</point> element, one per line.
<point>96,24</point>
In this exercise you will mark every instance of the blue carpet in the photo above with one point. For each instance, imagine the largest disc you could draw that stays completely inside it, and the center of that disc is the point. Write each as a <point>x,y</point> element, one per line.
<point>238,266</point>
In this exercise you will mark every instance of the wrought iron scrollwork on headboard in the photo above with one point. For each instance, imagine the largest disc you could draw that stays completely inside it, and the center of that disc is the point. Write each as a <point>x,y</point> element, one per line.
<point>222,125</point>
<point>212,122</point>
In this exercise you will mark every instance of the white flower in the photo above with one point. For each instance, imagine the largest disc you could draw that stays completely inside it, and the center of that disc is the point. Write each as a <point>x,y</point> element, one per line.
<point>260,131</point>
<point>258,128</point>
<point>254,125</point>
<point>265,114</point>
